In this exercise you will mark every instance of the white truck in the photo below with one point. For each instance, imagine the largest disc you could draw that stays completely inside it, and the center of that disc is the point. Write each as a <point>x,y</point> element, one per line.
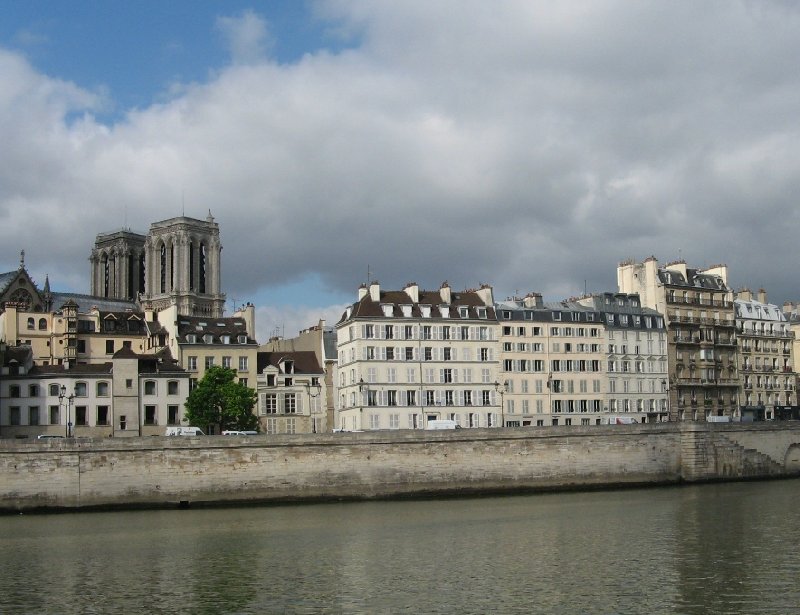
<point>184,431</point>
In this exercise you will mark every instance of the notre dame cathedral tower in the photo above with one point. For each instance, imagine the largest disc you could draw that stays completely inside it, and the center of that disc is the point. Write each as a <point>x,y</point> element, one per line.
<point>176,263</point>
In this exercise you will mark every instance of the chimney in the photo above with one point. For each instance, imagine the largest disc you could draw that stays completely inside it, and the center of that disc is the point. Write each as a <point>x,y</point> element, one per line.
<point>485,294</point>
<point>745,294</point>
<point>533,300</point>
<point>762,295</point>
<point>444,292</point>
<point>412,290</point>
<point>375,291</point>
<point>362,292</point>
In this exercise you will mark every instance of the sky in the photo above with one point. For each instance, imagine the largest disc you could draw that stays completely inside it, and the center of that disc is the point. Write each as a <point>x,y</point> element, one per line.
<point>528,145</point>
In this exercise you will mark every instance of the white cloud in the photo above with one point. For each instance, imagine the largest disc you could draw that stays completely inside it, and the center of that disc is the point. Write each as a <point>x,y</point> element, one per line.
<point>524,144</point>
<point>288,320</point>
<point>247,37</point>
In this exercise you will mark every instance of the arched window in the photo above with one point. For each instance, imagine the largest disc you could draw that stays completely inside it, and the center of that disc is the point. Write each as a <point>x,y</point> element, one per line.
<point>149,387</point>
<point>42,324</point>
<point>31,324</point>
<point>53,390</point>
<point>102,389</point>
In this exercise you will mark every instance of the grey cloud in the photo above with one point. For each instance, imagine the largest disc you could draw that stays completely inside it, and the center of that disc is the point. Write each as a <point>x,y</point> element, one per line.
<point>528,145</point>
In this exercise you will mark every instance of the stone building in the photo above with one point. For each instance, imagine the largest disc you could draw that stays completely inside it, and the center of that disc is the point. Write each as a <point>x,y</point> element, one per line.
<point>412,356</point>
<point>291,393</point>
<point>765,357</point>
<point>127,395</point>
<point>177,263</point>
<point>699,312</point>
<point>321,340</point>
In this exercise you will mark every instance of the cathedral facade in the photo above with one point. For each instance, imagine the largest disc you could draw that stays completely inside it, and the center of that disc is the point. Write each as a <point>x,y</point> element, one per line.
<point>177,263</point>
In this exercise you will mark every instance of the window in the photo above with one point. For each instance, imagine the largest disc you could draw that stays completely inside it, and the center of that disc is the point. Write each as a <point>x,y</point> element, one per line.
<point>172,415</point>
<point>31,324</point>
<point>13,390</point>
<point>53,390</point>
<point>80,389</point>
<point>102,415</point>
<point>290,403</point>
<point>192,364</point>
<point>109,346</point>
<point>243,364</point>
<point>102,389</point>
<point>33,390</point>
<point>123,423</point>
<point>128,383</point>
<point>226,362</point>
<point>209,362</point>
<point>271,403</point>
<point>81,417</point>
<point>150,387</point>
<point>172,387</point>
<point>150,415</point>
<point>13,415</point>
<point>33,415</point>
<point>55,415</point>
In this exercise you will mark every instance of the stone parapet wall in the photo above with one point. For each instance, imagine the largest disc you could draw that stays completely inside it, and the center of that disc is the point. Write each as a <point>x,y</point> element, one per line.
<point>153,472</point>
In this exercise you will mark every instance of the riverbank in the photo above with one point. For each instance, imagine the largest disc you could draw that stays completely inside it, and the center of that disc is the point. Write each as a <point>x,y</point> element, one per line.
<point>159,472</point>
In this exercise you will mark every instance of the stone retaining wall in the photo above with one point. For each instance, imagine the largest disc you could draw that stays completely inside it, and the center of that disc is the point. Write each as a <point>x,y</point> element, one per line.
<point>152,472</point>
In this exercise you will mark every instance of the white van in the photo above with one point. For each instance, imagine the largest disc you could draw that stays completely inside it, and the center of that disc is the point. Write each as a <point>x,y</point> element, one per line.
<point>441,424</point>
<point>184,431</point>
<point>619,420</point>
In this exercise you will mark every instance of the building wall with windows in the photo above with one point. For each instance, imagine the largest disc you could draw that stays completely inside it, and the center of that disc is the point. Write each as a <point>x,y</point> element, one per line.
<point>699,312</point>
<point>292,396</point>
<point>408,357</point>
<point>765,356</point>
<point>199,343</point>
<point>551,363</point>
<point>131,395</point>
<point>635,374</point>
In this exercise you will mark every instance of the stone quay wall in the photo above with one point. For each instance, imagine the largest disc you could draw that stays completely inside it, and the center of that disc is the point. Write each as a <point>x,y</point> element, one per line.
<point>161,472</point>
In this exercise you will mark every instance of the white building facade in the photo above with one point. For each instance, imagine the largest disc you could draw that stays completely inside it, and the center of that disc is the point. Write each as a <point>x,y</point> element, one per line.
<point>409,357</point>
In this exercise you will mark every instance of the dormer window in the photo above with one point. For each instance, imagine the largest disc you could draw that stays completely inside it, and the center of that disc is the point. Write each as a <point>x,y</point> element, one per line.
<point>406,309</point>
<point>242,339</point>
<point>191,338</point>
<point>481,312</point>
<point>463,312</point>
<point>426,311</point>
<point>208,338</point>
<point>444,311</point>
<point>388,309</point>
<point>226,339</point>
<point>288,367</point>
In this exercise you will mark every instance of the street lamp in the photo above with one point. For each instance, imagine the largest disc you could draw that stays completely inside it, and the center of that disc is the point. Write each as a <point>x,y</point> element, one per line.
<point>314,390</point>
<point>67,399</point>
<point>665,389</point>
<point>501,388</point>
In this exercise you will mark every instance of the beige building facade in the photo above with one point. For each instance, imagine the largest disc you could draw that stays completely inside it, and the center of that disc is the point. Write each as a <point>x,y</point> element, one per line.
<point>699,313</point>
<point>409,357</point>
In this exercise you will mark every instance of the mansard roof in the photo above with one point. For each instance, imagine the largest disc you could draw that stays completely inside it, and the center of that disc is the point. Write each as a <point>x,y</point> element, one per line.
<point>305,361</point>
<point>216,327</point>
<point>694,278</point>
<point>367,308</point>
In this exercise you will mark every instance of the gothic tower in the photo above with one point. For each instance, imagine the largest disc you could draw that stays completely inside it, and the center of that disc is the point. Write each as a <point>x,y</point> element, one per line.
<point>176,263</point>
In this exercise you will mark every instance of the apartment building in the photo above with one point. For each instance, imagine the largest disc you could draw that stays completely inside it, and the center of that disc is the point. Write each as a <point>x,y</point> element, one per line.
<point>698,308</point>
<point>635,380</point>
<point>129,395</point>
<point>412,356</point>
<point>291,393</point>
<point>765,358</point>
<point>321,340</point>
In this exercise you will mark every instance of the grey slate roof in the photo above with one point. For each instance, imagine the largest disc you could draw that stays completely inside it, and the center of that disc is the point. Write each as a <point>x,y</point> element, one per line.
<point>87,302</point>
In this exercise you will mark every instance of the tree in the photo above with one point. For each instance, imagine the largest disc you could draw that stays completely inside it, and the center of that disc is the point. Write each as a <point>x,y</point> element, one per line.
<point>221,401</point>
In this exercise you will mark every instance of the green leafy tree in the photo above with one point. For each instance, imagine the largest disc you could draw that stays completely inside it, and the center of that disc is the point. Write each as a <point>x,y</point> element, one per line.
<point>221,401</point>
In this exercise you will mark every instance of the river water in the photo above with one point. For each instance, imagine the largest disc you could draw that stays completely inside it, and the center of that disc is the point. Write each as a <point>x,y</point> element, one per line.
<point>724,548</point>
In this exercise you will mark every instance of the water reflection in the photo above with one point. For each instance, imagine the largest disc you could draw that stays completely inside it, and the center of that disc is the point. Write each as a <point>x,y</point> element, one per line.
<point>710,549</point>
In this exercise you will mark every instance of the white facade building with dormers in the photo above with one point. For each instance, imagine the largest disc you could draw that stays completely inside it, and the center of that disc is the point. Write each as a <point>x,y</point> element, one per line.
<point>409,357</point>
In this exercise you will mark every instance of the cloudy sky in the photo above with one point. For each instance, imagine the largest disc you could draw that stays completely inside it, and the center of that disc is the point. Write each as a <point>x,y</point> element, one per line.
<point>528,145</point>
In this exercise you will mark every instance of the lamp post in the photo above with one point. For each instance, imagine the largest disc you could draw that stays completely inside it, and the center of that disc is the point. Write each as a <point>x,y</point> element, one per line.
<point>665,389</point>
<point>501,388</point>
<point>362,388</point>
<point>314,391</point>
<point>67,400</point>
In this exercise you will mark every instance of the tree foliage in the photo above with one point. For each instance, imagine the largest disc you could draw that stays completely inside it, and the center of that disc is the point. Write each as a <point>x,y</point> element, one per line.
<point>219,400</point>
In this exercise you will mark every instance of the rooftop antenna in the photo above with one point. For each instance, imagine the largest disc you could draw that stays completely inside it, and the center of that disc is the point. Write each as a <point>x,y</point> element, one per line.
<point>368,274</point>
<point>585,291</point>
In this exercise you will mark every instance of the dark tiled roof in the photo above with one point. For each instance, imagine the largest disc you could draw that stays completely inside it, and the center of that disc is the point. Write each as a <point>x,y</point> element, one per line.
<point>305,361</point>
<point>21,355</point>
<point>216,327</point>
<point>694,278</point>
<point>81,369</point>
<point>367,308</point>
<point>6,279</point>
